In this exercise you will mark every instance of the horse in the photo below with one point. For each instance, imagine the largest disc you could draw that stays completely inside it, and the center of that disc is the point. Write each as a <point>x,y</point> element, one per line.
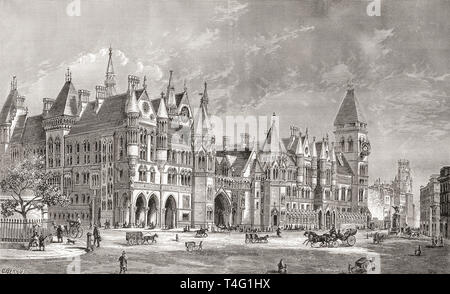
<point>264,239</point>
<point>310,237</point>
<point>149,238</point>
<point>202,232</point>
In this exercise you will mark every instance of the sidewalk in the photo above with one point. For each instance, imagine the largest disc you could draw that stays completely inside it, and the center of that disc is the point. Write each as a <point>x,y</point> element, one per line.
<point>52,251</point>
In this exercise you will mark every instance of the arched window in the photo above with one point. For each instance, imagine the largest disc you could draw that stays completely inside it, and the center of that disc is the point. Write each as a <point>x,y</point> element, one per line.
<point>342,144</point>
<point>350,144</point>
<point>50,152</point>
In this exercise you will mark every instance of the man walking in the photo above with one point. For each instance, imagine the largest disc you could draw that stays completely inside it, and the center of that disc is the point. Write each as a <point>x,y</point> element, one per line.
<point>97,237</point>
<point>123,262</point>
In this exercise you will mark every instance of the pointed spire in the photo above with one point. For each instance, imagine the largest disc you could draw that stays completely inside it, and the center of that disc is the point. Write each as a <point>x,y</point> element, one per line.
<point>204,100</point>
<point>184,86</point>
<point>333,153</point>
<point>314,149</point>
<point>13,83</point>
<point>110,81</point>
<point>68,75</point>
<point>323,150</point>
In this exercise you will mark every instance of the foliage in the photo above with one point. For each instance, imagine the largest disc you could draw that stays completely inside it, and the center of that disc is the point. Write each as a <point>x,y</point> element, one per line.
<point>29,185</point>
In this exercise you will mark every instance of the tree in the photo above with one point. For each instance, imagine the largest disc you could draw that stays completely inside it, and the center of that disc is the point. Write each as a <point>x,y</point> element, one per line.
<point>30,188</point>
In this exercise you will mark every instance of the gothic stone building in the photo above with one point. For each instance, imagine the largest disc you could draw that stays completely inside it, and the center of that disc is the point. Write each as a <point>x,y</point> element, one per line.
<point>132,159</point>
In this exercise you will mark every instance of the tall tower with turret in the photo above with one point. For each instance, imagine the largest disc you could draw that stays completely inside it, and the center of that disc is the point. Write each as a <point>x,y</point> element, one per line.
<point>204,166</point>
<point>351,137</point>
<point>403,196</point>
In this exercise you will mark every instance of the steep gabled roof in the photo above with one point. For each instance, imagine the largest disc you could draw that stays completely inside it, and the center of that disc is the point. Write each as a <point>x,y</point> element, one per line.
<point>18,129</point>
<point>66,103</point>
<point>343,168</point>
<point>5,114</point>
<point>34,131</point>
<point>112,114</point>
<point>273,144</point>
<point>350,110</point>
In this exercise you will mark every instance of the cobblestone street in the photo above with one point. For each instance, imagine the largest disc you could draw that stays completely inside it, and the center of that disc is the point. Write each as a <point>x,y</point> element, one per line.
<point>228,253</point>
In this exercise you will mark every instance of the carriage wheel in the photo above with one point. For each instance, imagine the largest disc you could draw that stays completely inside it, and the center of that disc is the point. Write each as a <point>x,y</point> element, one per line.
<point>73,232</point>
<point>79,232</point>
<point>131,242</point>
<point>351,240</point>
<point>335,244</point>
<point>246,240</point>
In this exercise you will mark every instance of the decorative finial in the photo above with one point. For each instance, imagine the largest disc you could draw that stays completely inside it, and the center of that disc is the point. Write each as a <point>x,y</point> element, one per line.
<point>184,85</point>
<point>14,83</point>
<point>68,75</point>
<point>144,83</point>
<point>350,85</point>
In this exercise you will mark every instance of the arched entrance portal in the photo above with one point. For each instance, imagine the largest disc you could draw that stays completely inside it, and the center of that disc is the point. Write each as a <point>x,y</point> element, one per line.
<point>124,215</point>
<point>170,213</point>
<point>328,220</point>
<point>221,210</point>
<point>140,210</point>
<point>152,214</point>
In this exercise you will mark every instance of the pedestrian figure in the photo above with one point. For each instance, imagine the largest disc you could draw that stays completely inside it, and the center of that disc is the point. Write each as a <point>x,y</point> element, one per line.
<point>59,234</point>
<point>176,237</point>
<point>41,242</point>
<point>123,261</point>
<point>418,251</point>
<point>97,237</point>
<point>278,232</point>
<point>441,241</point>
<point>282,267</point>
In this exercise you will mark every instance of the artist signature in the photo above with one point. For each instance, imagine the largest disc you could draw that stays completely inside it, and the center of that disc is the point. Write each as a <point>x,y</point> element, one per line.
<point>12,271</point>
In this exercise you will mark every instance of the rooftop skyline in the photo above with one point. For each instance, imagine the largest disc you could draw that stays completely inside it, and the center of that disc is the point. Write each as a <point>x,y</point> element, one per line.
<point>258,57</point>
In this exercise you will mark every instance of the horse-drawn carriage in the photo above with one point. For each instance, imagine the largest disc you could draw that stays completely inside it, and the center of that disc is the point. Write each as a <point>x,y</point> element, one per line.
<point>254,238</point>
<point>191,246</point>
<point>138,238</point>
<point>331,239</point>
<point>201,233</point>
<point>72,230</point>
<point>411,233</point>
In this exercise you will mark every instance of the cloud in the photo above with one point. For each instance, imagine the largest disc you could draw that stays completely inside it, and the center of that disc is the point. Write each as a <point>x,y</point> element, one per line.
<point>204,39</point>
<point>231,12</point>
<point>271,43</point>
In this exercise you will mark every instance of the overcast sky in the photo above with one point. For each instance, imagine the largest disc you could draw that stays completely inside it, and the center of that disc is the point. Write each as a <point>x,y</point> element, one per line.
<point>289,57</point>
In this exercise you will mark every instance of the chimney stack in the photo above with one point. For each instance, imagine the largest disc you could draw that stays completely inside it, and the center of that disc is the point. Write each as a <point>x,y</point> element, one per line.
<point>225,142</point>
<point>48,103</point>
<point>133,82</point>
<point>245,141</point>
<point>83,95</point>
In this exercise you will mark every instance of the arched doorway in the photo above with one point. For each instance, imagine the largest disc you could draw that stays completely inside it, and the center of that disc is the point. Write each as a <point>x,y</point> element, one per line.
<point>328,220</point>
<point>140,210</point>
<point>152,214</point>
<point>170,213</point>
<point>125,210</point>
<point>275,217</point>
<point>319,219</point>
<point>221,210</point>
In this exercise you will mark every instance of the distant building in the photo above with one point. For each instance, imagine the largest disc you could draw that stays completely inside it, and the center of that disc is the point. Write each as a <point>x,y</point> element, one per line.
<point>403,196</point>
<point>380,202</point>
<point>384,196</point>
<point>430,207</point>
<point>444,181</point>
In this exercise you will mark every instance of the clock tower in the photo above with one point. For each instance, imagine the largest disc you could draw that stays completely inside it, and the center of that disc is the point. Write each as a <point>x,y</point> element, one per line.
<point>351,136</point>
